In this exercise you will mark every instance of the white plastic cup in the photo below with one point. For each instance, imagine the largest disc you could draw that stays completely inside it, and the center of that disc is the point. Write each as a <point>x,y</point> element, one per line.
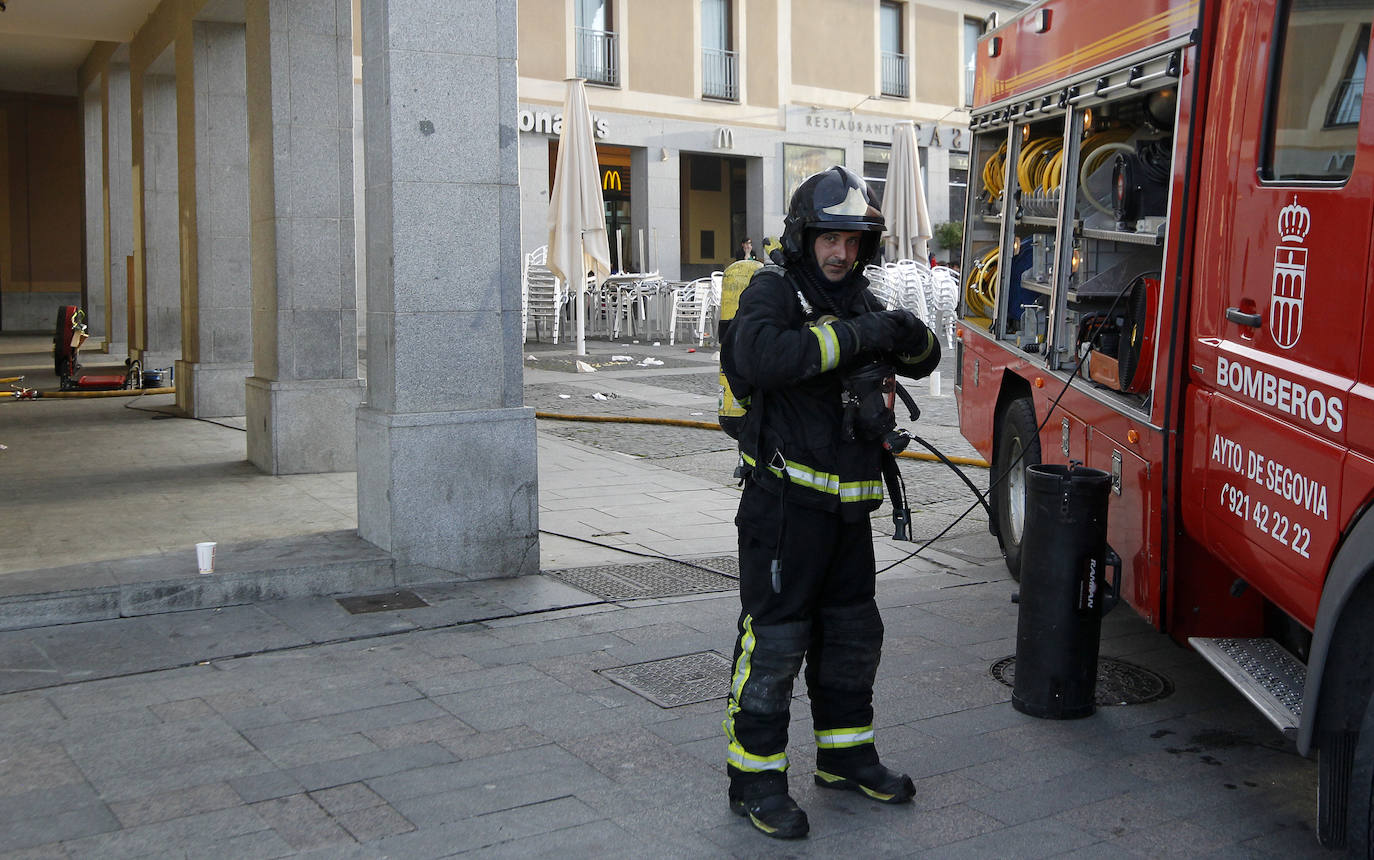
<point>205,556</point>
<point>935,384</point>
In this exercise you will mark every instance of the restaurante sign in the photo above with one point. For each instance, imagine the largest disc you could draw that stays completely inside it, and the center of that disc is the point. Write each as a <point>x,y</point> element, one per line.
<point>548,122</point>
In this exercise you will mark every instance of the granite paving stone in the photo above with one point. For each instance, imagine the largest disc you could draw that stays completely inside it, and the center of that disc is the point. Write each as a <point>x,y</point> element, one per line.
<point>327,774</point>
<point>66,812</point>
<point>501,792</point>
<point>196,834</point>
<point>372,823</point>
<point>346,798</point>
<point>492,828</point>
<point>320,750</point>
<point>439,730</point>
<point>422,781</point>
<point>301,822</point>
<point>265,786</point>
<point>176,804</point>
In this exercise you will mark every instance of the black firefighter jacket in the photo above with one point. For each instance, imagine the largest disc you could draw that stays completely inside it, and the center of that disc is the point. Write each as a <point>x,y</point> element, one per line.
<point>786,353</point>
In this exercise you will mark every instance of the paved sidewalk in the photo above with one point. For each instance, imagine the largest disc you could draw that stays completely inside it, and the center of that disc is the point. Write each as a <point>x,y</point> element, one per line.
<point>489,720</point>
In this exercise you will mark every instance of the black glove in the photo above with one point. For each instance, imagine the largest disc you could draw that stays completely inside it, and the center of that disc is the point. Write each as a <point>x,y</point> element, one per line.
<point>916,340</point>
<point>886,331</point>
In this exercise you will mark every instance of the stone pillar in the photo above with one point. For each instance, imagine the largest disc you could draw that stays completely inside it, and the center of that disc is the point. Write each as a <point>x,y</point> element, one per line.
<point>304,391</point>
<point>95,287</point>
<point>446,451</point>
<point>120,211</point>
<point>663,244</point>
<point>161,222</point>
<point>217,316</point>
<point>756,206</point>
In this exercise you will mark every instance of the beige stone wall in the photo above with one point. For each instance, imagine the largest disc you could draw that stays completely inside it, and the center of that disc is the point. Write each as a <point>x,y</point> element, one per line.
<point>834,44</point>
<point>40,179</point>
<point>542,36</point>
<point>937,58</point>
<point>669,67</point>
<point>760,53</point>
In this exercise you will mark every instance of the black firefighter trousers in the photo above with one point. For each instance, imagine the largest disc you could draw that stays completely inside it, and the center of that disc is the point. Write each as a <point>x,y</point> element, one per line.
<point>823,611</point>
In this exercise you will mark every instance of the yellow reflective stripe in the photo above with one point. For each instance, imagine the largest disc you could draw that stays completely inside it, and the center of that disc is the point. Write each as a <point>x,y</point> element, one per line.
<point>861,491</point>
<point>830,346</point>
<point>746,653</point>
<point>755,763</point>
<point>825,482</point>
<point>735,753</point>
<point>831,739</point>
<point>916,358</point>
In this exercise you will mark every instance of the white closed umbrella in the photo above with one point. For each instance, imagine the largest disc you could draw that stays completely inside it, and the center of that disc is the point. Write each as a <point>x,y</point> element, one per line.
<point>908,230</point>
<point>577,211</point>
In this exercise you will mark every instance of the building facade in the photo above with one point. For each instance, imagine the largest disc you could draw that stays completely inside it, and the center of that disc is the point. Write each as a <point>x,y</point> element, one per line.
<point>707,114</point>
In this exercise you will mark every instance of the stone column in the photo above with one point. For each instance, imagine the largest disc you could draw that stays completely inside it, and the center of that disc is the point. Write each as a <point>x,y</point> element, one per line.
<point>756,206</point>
<point>446,451</point>
<point>161,222</point>
<point>304,390</point>
<point>662,243</point>
<point>217,315</point>
<point>95,287</point>
<point>120,210</point>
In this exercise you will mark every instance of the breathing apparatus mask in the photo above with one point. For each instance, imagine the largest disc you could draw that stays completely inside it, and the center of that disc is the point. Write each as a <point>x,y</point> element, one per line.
<point>869,394</point>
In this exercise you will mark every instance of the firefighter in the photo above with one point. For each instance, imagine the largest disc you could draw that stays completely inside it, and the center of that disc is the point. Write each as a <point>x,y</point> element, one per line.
<point>806,334</point>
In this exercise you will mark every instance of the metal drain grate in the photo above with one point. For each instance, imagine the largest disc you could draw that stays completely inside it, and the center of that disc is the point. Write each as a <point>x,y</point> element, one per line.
<point>658,579</point>
<point>1118,682</point>
<point>384,602</point>
<point>676,681</point>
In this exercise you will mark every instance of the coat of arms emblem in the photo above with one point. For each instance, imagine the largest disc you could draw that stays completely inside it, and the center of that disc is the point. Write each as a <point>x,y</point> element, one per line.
<point>1290,275</point>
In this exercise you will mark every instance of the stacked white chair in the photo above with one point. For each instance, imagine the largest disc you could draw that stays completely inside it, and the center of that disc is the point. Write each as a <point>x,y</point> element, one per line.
<point>945,282</point>
<point>691,304</point>
<point>882,285</point>
<point>541,293</point>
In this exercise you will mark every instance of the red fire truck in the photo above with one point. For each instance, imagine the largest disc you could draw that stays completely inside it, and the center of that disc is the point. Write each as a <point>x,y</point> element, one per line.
<point>1166,267</point>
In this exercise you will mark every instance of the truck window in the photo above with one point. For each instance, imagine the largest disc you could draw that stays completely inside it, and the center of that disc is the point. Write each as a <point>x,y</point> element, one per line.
<point>1314,109</point>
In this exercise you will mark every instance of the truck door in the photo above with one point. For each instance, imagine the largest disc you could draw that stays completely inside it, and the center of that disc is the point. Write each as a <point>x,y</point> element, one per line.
<point>1280,282</point>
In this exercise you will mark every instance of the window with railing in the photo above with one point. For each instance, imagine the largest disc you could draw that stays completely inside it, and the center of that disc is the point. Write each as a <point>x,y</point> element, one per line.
<point>894,64</point>
<point>1344,109</point>
<point>719,64</point>
<point>894,75</point>
<point>598,46</point>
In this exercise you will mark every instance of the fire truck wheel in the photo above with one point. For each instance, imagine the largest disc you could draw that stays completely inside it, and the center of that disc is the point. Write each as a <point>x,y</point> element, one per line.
<point>1018,446</point>
<point>1360,806</point>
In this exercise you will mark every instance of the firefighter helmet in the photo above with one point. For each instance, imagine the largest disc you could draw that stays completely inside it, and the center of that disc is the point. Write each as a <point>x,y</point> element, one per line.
<point>834,199</point>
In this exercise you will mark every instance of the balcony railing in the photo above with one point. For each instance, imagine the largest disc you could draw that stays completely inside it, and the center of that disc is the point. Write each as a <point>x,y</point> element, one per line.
<point>894,74</point>
<point>598,53</point>
<point>1345,104</point>
<point>719,74</point>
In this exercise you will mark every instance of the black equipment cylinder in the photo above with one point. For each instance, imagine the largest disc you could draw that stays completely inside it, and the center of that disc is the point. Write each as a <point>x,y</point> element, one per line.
<point>1063,556</point>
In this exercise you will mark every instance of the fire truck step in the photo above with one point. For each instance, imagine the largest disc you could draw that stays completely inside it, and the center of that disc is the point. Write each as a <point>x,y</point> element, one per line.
<point>1264,672</point>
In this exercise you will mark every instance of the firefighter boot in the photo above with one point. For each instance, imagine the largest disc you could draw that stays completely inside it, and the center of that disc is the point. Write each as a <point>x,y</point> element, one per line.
<point>871,780</point>
<point>846,645</point>
<point>768,806</point>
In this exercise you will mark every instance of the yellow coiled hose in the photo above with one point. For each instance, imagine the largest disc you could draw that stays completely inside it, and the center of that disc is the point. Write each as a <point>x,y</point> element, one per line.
<point>1032,166</point>
<point>980,289</point>
<point>994,169</point>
